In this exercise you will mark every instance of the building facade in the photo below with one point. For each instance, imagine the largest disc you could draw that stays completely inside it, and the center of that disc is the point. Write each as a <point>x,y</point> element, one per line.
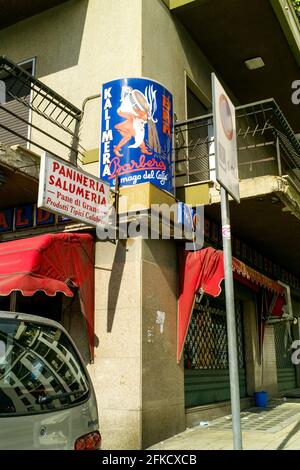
<point>72,48</point>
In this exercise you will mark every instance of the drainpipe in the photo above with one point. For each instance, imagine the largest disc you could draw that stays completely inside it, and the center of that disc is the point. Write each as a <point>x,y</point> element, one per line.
<point>89,98</point>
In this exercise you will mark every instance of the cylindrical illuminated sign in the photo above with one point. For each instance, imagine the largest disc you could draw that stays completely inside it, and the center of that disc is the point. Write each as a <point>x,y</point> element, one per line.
<point>136,133</point>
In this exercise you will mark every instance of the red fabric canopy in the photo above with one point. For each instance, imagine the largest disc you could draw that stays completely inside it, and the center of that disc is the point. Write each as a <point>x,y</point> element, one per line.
<point>51,263</point>
<point>244,272</point>
<point>203,271</point>
<point>198,270</point>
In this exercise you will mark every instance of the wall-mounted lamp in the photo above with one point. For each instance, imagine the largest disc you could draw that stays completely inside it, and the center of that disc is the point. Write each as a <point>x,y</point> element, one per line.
<point>255,63</point>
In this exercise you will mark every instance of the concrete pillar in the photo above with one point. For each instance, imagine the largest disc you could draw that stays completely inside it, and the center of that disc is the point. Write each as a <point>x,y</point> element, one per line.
<point>139,386</point>
<point>116,373</point>
<point>163,413</point>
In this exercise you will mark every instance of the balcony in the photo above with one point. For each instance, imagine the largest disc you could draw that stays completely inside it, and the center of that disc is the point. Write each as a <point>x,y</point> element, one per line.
<point>266,146</point>
<point>269,171</point>
<point>32,114</point>
<point>34,119</point>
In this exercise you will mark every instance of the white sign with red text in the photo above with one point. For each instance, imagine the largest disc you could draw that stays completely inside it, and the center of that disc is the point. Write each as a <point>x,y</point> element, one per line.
<point>71,192</point>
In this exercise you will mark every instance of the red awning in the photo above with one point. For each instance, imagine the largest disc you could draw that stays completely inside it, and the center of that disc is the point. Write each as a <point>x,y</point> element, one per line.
<point>255,277</point>
<point>198,270</point>
<point>51,263</point>
<point>203,271</point>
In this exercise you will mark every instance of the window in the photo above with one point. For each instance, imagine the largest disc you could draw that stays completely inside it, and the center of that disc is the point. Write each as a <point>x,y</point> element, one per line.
<point>10,91</point>
<point>194,106</point>
<point>198,147</point>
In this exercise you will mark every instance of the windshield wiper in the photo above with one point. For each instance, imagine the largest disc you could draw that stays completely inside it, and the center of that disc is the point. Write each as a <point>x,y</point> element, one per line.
<point>48,398</point>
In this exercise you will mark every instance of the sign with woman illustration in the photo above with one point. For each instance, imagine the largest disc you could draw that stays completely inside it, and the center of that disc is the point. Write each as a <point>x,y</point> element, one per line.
<point>136,133</point>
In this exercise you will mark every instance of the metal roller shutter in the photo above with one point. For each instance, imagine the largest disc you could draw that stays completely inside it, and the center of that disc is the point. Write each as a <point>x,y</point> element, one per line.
<point>206,354</point>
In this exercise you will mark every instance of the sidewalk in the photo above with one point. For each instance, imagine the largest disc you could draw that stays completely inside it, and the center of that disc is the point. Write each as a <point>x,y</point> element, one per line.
<point>274,428</point>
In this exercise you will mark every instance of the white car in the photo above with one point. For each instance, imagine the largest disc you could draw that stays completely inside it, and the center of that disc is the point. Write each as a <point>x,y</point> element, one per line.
<point>47,399</point>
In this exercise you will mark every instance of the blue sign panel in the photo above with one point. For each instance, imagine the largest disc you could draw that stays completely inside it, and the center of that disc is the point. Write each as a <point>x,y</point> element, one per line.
<point>6,220</point>
<point>19,218</point>
<point>23,217</point>
<point>136,133</point>
<point>43,217</point>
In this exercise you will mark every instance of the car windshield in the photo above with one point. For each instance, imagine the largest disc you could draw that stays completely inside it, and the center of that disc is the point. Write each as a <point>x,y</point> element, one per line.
<point>39,369</point>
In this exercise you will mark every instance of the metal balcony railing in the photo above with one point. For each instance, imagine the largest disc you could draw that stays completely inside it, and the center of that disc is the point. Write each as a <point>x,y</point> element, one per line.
<point>35,116</point>
<point>266,145</point>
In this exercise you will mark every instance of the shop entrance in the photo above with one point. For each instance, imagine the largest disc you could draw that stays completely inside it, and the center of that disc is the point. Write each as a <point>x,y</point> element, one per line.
<point>64,310</point>
<point>286,371</point>
<point>206,353</point>
<point>36,304</point>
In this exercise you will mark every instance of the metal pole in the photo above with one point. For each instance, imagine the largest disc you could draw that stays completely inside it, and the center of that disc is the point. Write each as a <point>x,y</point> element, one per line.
<point>13,301</point>
<point>231,327</point>
<point>117,202</point>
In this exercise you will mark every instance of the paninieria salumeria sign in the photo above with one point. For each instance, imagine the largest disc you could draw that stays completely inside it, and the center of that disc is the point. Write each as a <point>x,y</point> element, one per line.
<point>67,190</point>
